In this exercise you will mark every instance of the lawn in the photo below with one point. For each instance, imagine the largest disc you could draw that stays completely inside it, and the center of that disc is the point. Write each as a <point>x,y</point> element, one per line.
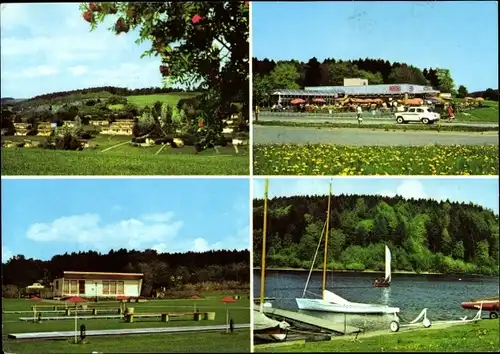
<point>487,113</point>
<point>123,160</point>
<point>186,342</point>
<point>326,159</point>
<point>481,336</point>
<point>169,98</point>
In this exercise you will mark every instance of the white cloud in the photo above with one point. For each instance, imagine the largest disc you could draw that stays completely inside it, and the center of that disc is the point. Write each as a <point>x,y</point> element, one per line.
<point>239,241</point>
<point>78,70</point>
<point>407,189</point>
<point>87,230</point>
<point>64,48</point>
<point>6,254</point>
<point>13,15</point>
<point>126,74</point>
<point>38,71</point>
<point>200,245</point>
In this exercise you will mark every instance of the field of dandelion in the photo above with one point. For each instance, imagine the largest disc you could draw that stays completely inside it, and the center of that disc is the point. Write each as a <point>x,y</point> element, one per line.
<point>327,159</point>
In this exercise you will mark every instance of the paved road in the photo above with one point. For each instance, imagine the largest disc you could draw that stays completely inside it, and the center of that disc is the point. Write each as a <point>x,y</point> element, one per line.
<point>366,137</point>
<point>366,120</point>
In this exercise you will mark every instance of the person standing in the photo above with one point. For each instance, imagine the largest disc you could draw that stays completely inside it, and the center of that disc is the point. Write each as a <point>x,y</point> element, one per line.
<point>257,111</point>
<point>359,111</point>
<point>451,114</point>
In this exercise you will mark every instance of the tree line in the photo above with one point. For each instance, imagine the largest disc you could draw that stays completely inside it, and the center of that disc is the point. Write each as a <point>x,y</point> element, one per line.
<point>121,91</point>
<point>293,74</point>
<point>423,235</point>
<point>169,270</point>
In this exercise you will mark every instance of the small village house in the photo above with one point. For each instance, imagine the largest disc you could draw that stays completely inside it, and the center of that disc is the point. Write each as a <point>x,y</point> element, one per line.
<point>98,284</point>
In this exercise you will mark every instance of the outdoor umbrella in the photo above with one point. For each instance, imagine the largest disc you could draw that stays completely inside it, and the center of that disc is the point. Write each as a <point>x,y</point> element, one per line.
<point>319,100</point>
<point>122,299</point>
<point>76,300</point>
<point>227,299</point>
<point>297,101</point>
<point>36,287</point>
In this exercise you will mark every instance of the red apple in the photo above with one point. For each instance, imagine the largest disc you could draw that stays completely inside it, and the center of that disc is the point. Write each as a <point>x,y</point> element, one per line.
<point>88,16</point>
<point>196,19</point>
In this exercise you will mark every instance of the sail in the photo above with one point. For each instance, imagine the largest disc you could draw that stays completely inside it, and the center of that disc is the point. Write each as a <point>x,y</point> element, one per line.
<point>387,264</point>
<point>333,298</point>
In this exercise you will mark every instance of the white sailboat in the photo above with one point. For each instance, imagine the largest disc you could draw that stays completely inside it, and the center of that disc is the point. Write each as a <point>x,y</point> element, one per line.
<point>383,283</point>
<point>331,302</point>
<point>264,327</point>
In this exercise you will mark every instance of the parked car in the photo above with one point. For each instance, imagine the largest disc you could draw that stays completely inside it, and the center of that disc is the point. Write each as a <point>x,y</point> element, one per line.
<point>418,114</point>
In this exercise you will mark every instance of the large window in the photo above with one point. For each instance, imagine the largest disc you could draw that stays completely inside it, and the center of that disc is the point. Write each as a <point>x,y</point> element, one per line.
<point>105,287</point>
<point>120,288</point>
<point>66,287</point>
<point>74,287</point>
<point>112,287</point>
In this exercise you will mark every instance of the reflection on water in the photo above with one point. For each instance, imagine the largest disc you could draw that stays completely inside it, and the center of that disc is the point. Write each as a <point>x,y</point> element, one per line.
<point>385,296</point>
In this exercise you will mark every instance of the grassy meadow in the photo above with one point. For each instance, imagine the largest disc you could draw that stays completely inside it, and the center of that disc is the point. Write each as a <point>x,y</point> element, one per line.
<point>326,159</point>
<point>219,341</point>
<point>486,114</point>
<point>122,160</point>
<point>480,336</point>
<point>169,98</point>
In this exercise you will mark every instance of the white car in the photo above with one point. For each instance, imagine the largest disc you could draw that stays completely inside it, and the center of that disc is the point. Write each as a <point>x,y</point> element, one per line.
<point>418,114</point>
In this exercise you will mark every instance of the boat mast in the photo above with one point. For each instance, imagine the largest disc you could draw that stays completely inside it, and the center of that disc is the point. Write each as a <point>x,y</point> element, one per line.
<point>327,229</point>
<point>263,259</point>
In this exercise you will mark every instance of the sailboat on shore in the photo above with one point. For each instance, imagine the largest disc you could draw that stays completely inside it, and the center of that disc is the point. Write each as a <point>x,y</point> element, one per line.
<point>331,302</point>
<point>266,328</point>
<point>384,283</point>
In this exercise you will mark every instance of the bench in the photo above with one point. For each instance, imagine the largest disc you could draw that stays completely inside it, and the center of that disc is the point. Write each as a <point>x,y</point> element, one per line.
<point>165,316</point>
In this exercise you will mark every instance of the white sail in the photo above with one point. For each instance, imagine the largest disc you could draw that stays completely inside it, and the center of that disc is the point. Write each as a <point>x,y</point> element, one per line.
<point>387,264</point>
<point>334,298</point>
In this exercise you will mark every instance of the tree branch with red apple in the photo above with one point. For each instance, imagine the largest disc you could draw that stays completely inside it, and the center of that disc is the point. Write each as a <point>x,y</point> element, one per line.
<point>199,42</point>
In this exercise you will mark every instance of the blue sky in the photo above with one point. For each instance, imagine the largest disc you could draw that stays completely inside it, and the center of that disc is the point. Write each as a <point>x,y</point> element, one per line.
<point>481,191</point>
<point>48,48</point>
<point>458,35</point>
<point>45,217</point>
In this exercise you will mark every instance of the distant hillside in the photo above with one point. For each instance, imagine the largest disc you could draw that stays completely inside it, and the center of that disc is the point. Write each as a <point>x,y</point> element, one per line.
<point>121,91</point>
<point>488,94</point>
<point>7,100</point>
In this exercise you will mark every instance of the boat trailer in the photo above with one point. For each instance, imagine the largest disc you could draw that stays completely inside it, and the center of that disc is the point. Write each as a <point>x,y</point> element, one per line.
<point>395,324</point>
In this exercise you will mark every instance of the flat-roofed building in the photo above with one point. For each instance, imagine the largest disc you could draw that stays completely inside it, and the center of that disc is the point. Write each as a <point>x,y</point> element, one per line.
<point>355,82</point>
<point>98,284</point>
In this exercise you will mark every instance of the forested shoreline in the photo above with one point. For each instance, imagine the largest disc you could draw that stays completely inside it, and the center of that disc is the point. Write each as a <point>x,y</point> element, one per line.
<point>423,235</point>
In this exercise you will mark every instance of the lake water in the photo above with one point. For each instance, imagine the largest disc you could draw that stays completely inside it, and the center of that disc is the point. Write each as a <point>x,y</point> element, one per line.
<point>441,295</point>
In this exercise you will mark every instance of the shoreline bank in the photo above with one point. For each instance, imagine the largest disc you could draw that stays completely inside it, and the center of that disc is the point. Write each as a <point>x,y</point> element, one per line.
<point>366,271</point>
